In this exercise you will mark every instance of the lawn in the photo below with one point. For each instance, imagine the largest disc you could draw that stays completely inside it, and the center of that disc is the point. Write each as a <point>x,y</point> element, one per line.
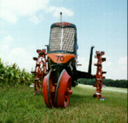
<point>20,105</point>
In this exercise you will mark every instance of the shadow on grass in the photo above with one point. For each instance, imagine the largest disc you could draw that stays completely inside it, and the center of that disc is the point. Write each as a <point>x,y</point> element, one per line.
<point>77,99</point>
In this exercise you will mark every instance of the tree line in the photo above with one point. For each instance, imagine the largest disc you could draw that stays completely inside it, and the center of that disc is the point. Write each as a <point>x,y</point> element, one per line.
<point>107,82</point>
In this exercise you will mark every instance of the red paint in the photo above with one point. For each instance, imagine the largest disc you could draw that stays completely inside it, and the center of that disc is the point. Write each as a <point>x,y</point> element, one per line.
<point>63,23</point>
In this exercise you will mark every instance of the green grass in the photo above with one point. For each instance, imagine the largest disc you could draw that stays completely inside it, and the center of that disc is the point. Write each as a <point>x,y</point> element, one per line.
<point>20,105</point>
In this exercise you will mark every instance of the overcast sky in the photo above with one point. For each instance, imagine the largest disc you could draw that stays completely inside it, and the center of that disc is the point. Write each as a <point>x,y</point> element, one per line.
<point>25,27</point>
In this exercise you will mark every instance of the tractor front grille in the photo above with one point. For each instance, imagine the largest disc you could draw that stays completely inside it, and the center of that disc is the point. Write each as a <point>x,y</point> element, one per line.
<point>62,39</point>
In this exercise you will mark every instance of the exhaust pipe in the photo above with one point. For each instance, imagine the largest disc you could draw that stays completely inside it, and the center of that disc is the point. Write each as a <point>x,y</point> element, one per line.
<point>90,61</point>
<point>60,16</point>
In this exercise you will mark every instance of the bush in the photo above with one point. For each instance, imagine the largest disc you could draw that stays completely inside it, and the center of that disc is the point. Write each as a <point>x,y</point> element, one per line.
<point>12,75</point>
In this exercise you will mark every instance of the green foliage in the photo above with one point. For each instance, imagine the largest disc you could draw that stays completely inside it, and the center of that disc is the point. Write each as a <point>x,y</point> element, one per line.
<point>107,82</point>
<point>12,75</point>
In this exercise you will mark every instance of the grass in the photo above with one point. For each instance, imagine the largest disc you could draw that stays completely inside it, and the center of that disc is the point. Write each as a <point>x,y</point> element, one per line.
<point>20,105</point>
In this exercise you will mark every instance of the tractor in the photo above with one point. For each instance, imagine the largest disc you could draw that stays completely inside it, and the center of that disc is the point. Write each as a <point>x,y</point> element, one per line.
<point>56,66</point>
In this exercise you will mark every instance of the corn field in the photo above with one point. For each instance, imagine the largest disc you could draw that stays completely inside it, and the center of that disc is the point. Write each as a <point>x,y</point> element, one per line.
<point>12,75</point>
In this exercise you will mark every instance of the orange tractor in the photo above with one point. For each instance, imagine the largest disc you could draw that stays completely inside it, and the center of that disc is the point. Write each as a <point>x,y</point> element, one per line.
<point>56,68</point>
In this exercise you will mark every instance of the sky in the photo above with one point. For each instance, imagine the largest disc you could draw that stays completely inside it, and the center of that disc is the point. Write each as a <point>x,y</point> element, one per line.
<point>25,27</point>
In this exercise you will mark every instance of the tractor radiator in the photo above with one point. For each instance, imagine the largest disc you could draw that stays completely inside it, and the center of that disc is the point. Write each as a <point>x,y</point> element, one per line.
<point>62,39</point>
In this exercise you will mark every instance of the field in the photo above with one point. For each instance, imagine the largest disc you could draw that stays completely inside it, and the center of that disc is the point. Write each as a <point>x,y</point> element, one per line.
<point>19,105</point>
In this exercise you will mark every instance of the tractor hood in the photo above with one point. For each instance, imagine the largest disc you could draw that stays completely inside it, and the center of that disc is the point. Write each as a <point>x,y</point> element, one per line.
<point>60,57</point>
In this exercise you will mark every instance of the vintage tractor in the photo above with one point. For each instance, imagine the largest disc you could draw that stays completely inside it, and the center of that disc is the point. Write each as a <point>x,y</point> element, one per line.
<point>56,68</point>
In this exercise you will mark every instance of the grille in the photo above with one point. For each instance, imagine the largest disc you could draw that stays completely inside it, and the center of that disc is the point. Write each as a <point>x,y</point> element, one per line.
<point>62,39</point>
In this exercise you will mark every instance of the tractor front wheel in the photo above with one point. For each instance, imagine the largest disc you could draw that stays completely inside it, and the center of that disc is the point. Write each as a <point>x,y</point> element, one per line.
<point>49,88</point>
<point>57,93</point>
<point>63,90</point>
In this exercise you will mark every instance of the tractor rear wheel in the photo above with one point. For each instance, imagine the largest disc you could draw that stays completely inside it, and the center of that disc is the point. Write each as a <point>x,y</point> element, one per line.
<point>40,70</point>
